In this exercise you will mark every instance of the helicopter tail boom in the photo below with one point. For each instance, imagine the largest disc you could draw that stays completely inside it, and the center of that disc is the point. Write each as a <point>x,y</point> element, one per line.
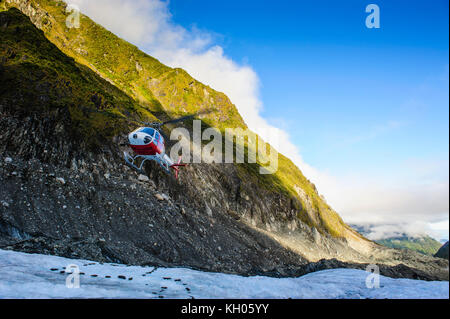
<point>175,167</point>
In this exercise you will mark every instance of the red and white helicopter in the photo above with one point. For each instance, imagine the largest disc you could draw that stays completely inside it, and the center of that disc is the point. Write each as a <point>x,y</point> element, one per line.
<point>148,144</point>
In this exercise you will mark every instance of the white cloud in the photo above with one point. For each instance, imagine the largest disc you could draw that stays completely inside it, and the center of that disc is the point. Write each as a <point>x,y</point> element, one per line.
<point>410,229</point>
<point>413,199</point>
<point>377,232</point>
<point>359,198</point>
<point>439,230</point>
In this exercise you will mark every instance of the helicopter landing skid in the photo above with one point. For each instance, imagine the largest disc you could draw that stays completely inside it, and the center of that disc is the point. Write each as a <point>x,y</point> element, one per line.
<point>132,161</point>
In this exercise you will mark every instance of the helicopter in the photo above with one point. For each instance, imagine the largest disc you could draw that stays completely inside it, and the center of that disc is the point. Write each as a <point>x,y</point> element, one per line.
<point>148,143</point>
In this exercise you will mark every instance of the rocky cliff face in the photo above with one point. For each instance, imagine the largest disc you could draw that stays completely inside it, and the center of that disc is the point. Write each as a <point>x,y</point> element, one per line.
<point>66,191</point>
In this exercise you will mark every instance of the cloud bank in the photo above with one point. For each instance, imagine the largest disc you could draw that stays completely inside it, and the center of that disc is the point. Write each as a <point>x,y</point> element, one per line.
<point>359,199</point>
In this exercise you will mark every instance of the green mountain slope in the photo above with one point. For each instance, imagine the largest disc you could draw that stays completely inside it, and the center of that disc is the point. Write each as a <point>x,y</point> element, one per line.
<point>422,244</point>
<point>45,80</point>
<point>156,88</point>
<point>425,245</point>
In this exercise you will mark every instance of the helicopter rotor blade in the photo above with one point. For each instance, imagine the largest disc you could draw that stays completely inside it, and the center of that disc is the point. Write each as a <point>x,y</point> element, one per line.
<point>164,135</point>
<point>150,124</point>
<point>187,117</point>
<point>178,119</point>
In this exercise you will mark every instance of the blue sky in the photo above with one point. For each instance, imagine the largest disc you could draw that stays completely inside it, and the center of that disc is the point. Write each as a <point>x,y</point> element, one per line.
<point>350,97</point>
<point>363,112</point>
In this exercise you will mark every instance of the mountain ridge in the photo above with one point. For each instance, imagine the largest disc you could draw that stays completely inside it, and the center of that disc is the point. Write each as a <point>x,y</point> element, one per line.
<point>424,244</point>
<point>152,83</point>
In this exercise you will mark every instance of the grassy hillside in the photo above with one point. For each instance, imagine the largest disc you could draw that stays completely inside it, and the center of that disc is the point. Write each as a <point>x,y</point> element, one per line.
<point>145,86</point>
<point>425,245</point>
<point>141,76</point>
<point>37,77</point>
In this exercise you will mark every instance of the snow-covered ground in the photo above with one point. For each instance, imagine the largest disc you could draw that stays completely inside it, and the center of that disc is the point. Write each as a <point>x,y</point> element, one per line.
<point>40,276</point>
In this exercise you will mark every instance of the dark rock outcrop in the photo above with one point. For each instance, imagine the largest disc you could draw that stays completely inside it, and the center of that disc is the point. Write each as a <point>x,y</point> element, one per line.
<point>443,251</point>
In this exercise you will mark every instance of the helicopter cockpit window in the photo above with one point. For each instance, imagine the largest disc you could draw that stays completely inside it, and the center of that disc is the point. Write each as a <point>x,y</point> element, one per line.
<point>156,136</point>
<point>148,130</point>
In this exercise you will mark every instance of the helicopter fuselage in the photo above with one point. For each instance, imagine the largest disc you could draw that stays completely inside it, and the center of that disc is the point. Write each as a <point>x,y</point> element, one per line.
<point>146,141</point>
<point>148,144</point>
